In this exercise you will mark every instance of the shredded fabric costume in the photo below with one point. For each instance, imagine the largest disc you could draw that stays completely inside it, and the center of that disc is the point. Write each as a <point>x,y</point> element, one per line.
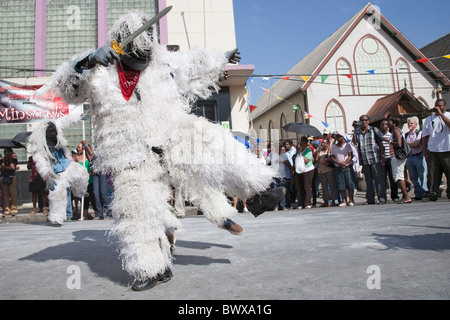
<point>54,163</point>
<point>198,156</point>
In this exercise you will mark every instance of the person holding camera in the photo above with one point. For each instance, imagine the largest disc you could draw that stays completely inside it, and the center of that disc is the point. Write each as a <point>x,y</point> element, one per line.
<point>436,147</point>
<point>368,140</point>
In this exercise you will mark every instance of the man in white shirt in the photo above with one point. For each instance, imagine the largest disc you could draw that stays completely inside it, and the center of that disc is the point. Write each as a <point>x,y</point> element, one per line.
<point>436,147</point>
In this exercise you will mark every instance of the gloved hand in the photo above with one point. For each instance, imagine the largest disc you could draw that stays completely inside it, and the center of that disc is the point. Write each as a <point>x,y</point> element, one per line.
<point>233,56</point>
<point>104,56</point>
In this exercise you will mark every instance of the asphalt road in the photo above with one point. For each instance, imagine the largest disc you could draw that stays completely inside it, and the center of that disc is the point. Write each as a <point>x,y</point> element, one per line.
<point>372,252</point>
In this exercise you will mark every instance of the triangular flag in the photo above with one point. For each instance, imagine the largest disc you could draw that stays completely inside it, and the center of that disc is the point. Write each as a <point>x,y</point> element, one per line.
<point>266,78</point>
<point>308,115</point>
<point>371,71</point>
<point>285,78</point>
<point>323,78</point>
<point>348,75</point>
<point>265,90</point>
<point>396,67</point>
<point>294,107</point>
<point>423,60</point>
<point>305,78</point>
<point>252,108</point>
<point>447,56</point>
<point>325,124</point>
<point>279,98</point>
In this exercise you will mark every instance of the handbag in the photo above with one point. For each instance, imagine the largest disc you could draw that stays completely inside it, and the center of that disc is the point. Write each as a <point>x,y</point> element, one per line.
<point>7,180</point>
<point>300,165</point>
<point>404,151</point>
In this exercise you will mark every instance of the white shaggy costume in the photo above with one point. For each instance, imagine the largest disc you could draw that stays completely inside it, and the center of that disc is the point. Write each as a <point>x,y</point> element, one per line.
<point>199,157</point>
<point>61,173</point>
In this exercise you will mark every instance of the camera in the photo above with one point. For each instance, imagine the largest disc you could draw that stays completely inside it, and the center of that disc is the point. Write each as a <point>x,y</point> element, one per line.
<point>357,124</point>
<point>434,110</point>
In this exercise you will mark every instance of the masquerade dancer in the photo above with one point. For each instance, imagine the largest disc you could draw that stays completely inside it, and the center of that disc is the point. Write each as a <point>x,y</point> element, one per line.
<point>148,140</point>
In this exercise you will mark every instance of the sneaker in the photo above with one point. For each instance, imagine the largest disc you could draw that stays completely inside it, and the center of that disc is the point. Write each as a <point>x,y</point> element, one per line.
<point>351,204</point>
<point>307,207</point>
<point>232,226</point>
<point>266,200</point>
<point>368,203</point>
<point>245,210</point>
<point>141,285</point>
<point>343,204</point>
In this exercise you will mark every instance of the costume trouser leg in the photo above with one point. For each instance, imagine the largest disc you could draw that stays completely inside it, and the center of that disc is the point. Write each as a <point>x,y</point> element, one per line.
<point>58,200</point>
<point>139,205</point>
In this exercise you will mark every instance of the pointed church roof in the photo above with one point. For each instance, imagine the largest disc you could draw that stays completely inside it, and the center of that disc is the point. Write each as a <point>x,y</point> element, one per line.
<point>313,63</point>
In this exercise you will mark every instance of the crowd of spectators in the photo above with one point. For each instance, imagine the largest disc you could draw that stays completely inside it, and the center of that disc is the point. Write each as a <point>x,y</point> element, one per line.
<point>335,161</point>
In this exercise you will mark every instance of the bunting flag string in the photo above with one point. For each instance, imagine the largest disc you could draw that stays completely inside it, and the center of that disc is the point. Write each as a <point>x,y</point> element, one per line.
<point>323,79</point>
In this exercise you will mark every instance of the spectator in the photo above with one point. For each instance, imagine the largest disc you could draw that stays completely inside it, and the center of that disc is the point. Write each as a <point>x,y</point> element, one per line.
<point>398,165</point>
<point>36,185</point>
<point>415,162</point>
<point>368,140</point>
<point>102,192</point>
<point>326,174</point>
<point>306,177</point>
<point>342,155</point>
<point>286,159</point>
<point>87,157</point>
<point>386,157</point>
<point>436,147</point>
<point>8,169</point>
<point>280,180</point>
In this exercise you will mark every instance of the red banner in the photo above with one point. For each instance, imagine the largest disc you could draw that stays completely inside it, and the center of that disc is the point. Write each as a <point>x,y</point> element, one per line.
<point>22,104</point>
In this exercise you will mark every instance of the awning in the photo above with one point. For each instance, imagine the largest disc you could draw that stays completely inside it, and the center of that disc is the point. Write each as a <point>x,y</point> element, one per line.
<point>401,103</point>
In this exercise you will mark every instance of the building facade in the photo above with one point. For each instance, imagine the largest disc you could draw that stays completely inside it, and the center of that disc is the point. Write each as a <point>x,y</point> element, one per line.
<point>343,78</point>
<point>40,35</point>
<point>45,33</point>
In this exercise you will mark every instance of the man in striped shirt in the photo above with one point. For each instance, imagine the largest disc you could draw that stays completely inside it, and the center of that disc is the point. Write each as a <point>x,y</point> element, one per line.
<point>369,142</point>
<point>387,160</point>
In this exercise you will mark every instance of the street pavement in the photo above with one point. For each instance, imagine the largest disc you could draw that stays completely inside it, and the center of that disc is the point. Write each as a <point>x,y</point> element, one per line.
<point>376,252</point>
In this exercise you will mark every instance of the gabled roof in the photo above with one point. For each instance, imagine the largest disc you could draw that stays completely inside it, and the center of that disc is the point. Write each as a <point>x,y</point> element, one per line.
<point>398,103</point>
<point>439,48</point>
<point>313,63</point>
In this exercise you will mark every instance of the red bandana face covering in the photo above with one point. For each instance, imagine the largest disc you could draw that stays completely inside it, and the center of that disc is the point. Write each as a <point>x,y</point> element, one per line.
<point>128,81</point>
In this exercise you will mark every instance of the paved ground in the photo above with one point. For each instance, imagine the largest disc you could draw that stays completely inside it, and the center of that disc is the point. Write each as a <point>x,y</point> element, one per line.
<point>400,251</point>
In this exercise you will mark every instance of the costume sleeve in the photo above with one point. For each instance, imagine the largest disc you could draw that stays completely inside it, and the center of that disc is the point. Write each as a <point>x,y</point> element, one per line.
<point>71,82</point>
<point>197,72</point>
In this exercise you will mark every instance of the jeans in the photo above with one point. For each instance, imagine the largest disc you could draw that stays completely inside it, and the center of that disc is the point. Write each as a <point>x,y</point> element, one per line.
<point>102,195</point>
<point>280,183</point>
<point>416,170</point>
<point>374,172</point>
<point>69,212</point>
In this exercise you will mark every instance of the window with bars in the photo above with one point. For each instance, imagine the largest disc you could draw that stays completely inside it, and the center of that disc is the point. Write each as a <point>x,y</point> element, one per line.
<point>207,109</point>
<point>403,75</point>
<point>71,29</point>
<point>335,117</point>
<point>344,71</point>
<point>371,54</point>
<point>117,8</point>
<point>17,40</point>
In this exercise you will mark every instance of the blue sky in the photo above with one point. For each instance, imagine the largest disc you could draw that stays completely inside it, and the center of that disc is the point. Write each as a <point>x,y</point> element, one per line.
<point>275,35</point>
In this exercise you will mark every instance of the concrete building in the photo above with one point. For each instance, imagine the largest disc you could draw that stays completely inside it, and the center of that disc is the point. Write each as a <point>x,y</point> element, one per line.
<point>40,35</point>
